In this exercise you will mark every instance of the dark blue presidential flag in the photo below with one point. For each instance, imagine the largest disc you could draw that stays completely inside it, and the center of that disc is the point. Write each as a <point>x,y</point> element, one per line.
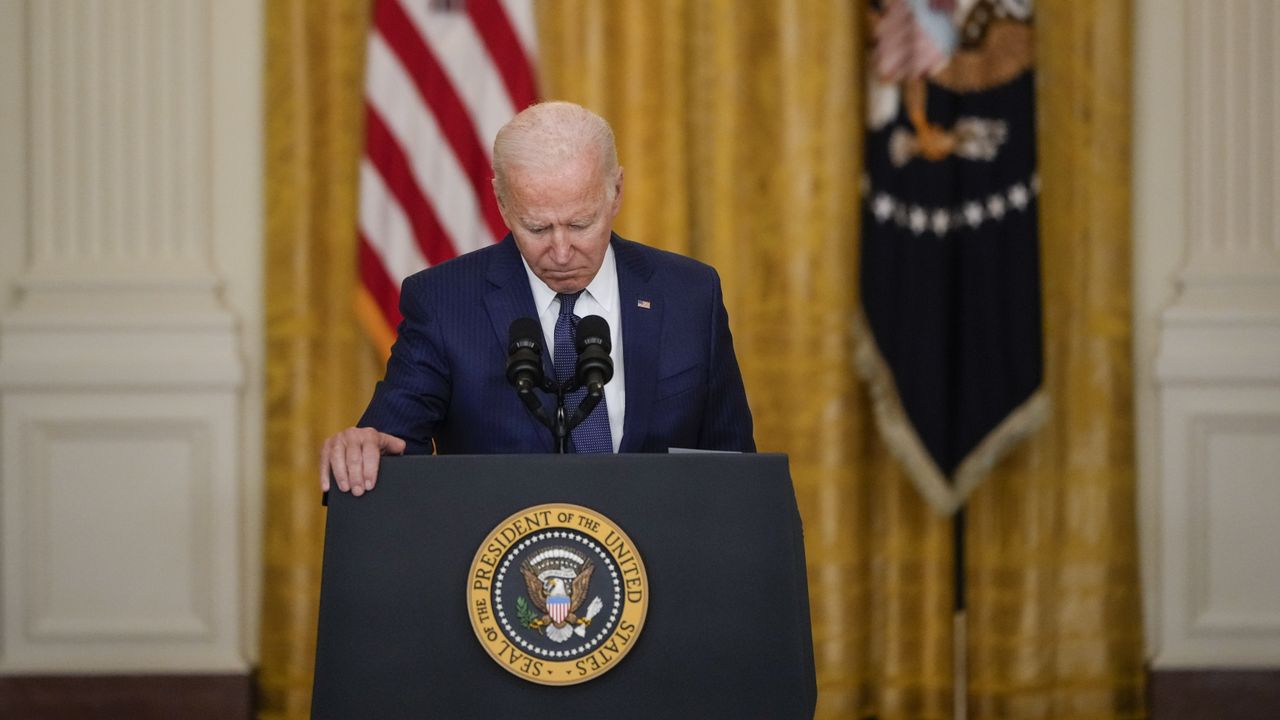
<point>950,338</point>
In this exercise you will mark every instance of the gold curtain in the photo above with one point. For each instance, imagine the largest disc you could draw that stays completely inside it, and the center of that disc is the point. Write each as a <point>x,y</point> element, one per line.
<point>739,125</point>
<point>320,366</point>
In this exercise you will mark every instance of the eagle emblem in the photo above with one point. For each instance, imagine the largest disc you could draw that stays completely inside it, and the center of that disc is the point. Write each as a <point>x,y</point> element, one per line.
<point>557,580</point>
<point>557,594</point>
<point>962,46</point>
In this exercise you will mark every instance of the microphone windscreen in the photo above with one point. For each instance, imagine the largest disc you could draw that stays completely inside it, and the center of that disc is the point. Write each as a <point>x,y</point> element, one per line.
<point>593,330</point>
<point>525,332</point>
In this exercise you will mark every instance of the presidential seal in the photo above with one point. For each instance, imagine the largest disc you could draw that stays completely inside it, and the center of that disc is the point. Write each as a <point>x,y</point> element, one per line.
<point>557,594</point>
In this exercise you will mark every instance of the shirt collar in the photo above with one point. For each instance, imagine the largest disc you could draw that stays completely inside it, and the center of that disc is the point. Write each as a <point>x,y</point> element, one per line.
<point>603,288</point>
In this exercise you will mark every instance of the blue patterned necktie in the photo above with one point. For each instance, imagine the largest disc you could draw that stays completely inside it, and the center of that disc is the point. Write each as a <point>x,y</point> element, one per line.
<point>591,435</point>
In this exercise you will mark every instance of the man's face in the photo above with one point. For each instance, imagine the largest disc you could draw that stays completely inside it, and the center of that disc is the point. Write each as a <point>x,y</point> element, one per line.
<point>562,220</point>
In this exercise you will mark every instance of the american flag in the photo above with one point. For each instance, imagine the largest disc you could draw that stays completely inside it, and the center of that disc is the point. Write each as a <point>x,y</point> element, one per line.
<point>441,77</point>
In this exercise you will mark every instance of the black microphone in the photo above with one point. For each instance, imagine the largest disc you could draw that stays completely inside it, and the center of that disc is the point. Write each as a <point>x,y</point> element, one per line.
<point>595,367</point>
<point>524,354</point>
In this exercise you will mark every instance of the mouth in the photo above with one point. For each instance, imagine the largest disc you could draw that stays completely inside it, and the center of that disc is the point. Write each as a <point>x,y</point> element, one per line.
<point>563,281</point>
<point>561,274</point>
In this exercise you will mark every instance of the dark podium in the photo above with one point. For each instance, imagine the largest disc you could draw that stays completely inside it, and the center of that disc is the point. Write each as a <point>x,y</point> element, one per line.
<point>727,628</point>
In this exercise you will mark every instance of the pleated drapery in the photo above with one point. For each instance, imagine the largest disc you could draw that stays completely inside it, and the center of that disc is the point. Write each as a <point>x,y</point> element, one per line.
<point>739,125</point>
<point>320,366</point>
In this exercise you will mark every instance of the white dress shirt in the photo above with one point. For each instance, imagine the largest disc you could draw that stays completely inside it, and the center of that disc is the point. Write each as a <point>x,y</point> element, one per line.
<point>600,298</point>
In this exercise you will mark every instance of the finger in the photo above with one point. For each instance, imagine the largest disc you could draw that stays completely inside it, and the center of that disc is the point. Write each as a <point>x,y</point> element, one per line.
<point>355,468</point>
<point>324,467</point>
<point>338,465</point>
<point>371,456</point>
<point>391,444</point>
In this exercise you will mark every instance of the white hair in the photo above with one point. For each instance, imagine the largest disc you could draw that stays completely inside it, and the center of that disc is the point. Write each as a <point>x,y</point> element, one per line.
<point>548,135</point>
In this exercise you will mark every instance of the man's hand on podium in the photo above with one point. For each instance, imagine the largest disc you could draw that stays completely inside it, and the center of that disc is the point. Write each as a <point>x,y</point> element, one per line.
<point>353,456</point>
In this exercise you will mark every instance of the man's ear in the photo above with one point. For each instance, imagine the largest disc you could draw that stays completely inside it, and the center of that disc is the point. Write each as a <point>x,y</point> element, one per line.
<point>502,207</point>
<point>617,194</point>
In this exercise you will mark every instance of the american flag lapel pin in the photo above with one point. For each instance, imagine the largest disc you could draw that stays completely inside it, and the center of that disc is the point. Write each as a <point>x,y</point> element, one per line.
<point>644,304</point>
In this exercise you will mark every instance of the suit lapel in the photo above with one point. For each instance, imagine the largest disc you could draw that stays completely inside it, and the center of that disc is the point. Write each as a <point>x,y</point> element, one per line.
<point>509,298</point>
<point>641,313</point>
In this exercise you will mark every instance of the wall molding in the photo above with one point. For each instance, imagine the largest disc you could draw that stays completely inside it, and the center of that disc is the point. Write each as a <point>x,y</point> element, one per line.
<point>129,303</point>
<point>1205,620</point>
<point>39,440</point>
<point>1207,328</point>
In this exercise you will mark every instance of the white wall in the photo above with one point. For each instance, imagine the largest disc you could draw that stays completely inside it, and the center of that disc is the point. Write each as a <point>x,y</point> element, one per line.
<point>1207,328</point>
<point>130,335</point>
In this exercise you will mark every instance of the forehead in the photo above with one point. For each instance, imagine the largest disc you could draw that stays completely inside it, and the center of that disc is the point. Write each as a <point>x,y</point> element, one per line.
<point>571,188</point>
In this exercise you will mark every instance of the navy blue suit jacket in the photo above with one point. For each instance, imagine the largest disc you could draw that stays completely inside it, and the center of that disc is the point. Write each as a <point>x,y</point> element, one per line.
<point>446,380</point>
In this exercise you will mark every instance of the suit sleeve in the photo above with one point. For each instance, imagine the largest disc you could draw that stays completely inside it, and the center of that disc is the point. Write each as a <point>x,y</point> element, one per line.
<point>413,397</point>
<point>726,420</point>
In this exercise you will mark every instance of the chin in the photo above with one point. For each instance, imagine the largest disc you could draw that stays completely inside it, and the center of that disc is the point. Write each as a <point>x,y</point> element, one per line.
<point>566,287</point>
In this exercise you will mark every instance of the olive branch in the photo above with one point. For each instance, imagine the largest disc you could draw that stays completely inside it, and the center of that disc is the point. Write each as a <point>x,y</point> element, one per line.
<point>525,613</point>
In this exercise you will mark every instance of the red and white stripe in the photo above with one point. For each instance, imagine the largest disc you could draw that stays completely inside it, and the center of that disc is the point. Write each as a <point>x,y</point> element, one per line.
<point>442,76</point>
<point>558,608</point>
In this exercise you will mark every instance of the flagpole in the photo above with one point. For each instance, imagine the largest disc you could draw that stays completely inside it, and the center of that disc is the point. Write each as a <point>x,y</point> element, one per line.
<point>959,620</point>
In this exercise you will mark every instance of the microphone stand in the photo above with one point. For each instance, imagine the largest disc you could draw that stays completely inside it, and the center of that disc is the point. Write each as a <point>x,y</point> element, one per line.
<point>562,424</point>
<point>561,429</point>
<point>525,370</point>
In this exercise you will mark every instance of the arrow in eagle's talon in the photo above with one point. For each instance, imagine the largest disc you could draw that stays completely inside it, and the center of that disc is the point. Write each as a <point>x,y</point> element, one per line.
<point>592,610</point>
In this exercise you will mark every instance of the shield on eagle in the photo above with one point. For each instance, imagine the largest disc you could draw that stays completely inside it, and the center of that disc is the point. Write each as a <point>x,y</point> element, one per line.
<point>558,608</point>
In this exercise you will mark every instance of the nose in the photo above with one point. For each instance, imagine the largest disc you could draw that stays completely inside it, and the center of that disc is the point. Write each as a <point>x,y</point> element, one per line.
<point>561,247</point>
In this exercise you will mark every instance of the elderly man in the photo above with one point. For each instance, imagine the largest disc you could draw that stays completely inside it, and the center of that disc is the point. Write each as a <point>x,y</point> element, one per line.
<point>676,381</point>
